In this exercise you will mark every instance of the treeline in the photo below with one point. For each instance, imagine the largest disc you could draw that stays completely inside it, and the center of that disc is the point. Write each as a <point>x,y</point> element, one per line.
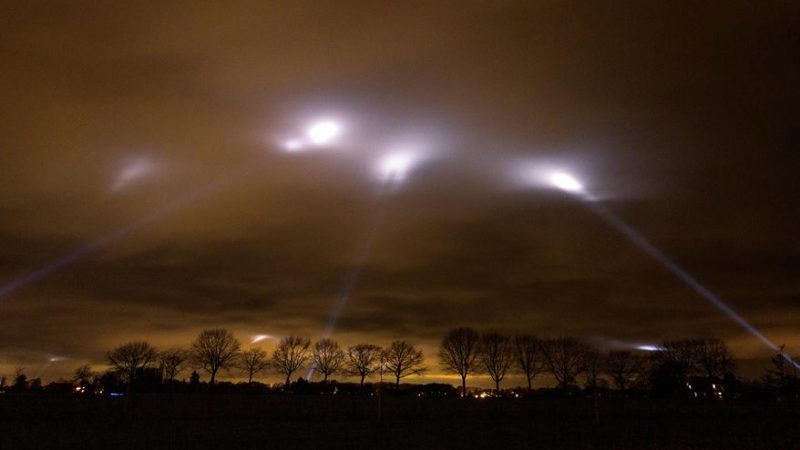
<point>694,367</point>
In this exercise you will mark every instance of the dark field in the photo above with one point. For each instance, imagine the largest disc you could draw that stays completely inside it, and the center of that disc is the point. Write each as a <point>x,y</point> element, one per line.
<point>245,422</point>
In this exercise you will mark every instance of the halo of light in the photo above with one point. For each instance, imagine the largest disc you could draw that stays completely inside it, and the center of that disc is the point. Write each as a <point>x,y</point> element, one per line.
<point>293,145</point>
<point>259,338</point>
<point>323,132</point>
<point>566,182</point>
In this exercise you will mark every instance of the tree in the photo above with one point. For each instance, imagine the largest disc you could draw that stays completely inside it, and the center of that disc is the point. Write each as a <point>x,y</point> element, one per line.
<point>363,360</point>
<point>253,361</point>
<point>458,353</point>
<point>529,357</point>
<point>623,368</point>
<point>593,368</point>
<point>171,362</point>
<point>676,361</point>
<point>403,359</point>
<point>215,349</point>
<point>564,359</point>
<point>291,355</point>
<point>20,380</point>
<point>714,358</point>
<point>783,373</point>
<point>327,357</point>
<point>129,358</point>
<point>496,355</point>
<point>681,356</point>
<point>84,377</point>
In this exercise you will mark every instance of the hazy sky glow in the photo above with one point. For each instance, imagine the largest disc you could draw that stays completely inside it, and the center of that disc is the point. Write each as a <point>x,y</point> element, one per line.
<point>681,121</point>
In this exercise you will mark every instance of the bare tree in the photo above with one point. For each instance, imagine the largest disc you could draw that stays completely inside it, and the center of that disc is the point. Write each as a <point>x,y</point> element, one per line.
<point>714,358</point>
<point>20,380</point>
<point>327,357</point>
<point>215,349</point>
<point>363,360</point>
<point>131,357</point>
<point>529,357</point>
<point>496,355</point>
<point>83,375</point>
<point>403,359</point>
<point>564,359</point>
<point>593,365</point>
<point>782,373</point>
<point>623,367</point>
<point>172,362</point>
<point>290,355</point>
<point>683,355</point>
<point>253,361</point>
<point>458,353</point>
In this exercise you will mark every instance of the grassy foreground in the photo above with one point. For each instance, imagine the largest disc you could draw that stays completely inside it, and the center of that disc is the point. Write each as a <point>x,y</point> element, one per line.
<point>335,422</point>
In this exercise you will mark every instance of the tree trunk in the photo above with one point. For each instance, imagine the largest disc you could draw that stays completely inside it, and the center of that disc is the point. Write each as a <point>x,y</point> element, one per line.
<point>325,377</point>
<point>362,380</point>
<point>397,383</point>
<point>213,376</point>
<point>497,388</point>
<point>250,377</point>
<point>288,380</point>
<point>463,385</point>
<point>530,386</point>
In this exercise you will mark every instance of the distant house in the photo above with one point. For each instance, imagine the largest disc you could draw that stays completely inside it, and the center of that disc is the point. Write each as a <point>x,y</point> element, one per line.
<point>706,387</point>
<point>60,387</point>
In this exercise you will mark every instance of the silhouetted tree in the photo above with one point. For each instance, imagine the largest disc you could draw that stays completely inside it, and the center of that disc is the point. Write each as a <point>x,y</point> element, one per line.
<point>496,355</point>
<point>215,349</point>
<point>290,355</point>
<point>110,381</point>
<point>35,385</point>
<point>529,357</point>
<point>253,361</point>
<point>403,359</point>
<point>129,358</point>
<point>20,380</point>
<point>679,359</point>
<point>623,367</point>
<point>84,377</point>
<point>327,357</point>
<point>593,365</point>
<point>194,379</point>
<point>676,361</point>
<point>363,360</point>
<point>172,362</point>
<point>564,359</point>
<point>714,358</point>
<point>458,353</point>
<point>783,373</point>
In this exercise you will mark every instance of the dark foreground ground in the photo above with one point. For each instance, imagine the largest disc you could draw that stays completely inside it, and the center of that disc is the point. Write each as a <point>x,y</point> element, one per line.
<point>265,422</point>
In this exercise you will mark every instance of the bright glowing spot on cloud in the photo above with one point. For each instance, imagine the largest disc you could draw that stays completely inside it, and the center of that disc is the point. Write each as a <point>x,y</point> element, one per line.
<point>566,182</point>
<point>293,145</point>
<point>260,337</point>
<point>394,167</point>
<point>323,132</point>
<point>132,171</point>
<point>647,348</point>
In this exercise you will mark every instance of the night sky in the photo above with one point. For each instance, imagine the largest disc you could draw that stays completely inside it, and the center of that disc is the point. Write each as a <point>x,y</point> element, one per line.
<point>153,133</point>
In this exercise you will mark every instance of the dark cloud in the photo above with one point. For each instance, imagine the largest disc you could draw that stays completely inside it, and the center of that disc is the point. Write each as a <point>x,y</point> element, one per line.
<point>680,117</point>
